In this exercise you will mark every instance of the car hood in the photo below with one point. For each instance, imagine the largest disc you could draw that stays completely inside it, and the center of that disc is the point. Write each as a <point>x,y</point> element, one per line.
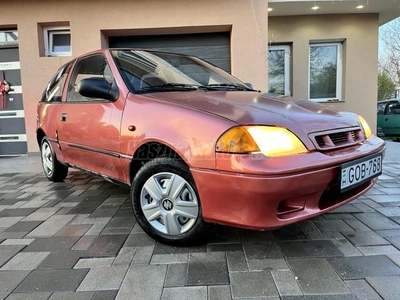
<point>247,108</point>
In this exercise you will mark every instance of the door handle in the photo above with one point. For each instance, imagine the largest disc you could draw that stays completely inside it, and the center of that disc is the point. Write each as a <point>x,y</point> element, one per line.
<point>63,117</point>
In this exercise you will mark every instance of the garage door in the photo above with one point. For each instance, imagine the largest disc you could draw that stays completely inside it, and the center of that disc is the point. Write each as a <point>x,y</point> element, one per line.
<point>12,117</point>
<point>212,47</point>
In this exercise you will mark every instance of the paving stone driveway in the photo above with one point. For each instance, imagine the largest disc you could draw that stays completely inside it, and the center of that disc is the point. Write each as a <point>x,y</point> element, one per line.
<point>79,240</point>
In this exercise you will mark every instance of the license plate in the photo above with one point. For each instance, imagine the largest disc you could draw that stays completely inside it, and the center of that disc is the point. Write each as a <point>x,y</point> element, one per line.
<point>357,172</point>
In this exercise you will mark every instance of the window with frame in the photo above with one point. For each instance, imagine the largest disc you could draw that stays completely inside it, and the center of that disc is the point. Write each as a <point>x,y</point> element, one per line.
<point>88,67</point>
<point>57,41</point>
<point>279,69</point>
<point>325,72</point>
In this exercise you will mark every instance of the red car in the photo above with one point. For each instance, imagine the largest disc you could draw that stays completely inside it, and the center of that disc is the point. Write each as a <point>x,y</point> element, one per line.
<point>197,145</point>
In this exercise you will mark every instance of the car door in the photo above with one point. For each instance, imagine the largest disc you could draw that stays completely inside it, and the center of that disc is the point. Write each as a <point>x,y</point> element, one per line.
<point>381,114</point>
<point>89,128</point>
<point>49,105</point>
<point>391,119</point>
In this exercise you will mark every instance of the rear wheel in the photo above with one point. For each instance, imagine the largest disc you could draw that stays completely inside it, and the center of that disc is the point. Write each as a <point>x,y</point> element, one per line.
<point>166,203</point>
<point>52,168</point>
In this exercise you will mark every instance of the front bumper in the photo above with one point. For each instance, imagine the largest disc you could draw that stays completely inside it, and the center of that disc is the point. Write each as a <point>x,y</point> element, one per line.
<point>271,201</point>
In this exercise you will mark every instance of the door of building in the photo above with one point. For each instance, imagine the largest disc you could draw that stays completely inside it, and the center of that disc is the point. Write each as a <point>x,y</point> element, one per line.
<point>12,117</point>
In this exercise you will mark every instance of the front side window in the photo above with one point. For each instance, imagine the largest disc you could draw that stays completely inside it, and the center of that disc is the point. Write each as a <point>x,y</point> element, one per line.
<point>88,67</point>
<point>393,108</point>
<point>57,41</point>
<point>325,72</point>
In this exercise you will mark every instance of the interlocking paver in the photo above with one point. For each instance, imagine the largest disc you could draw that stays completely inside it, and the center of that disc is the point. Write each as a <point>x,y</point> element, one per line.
<point>60,260</point>
<point>236,262</point>
<point>103,279</point>
<point>316,276</point>
<point>143,282</point>
<point>176,275</point>
<point>362,290</point>
<point>25,261</point>
<point>376,221</point>
<point>159,259</point>
<point>125,256</point>
<point>183,293</point>
<point>207,269</point>
<point>106,245</point>
<point>51,244</point>
<point>219,292</point>
<point>309,249</point>
<point>30,296</point>
<point>52,280</point>
<point>87,263</point>
<point>387,287</point>
<point>290,233</point>
<point>359,267</point>
<point>365,238</point>
<point>286,283</point>
<point>253,284</point>
<point>9,280</point>
<point>72,296</point>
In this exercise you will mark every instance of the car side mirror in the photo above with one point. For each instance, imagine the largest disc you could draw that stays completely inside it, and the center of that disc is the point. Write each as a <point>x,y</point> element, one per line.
<point>249,85</point>
<point>95,87</point>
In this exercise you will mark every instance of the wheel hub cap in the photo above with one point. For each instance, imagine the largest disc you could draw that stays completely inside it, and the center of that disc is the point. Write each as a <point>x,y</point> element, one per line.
<point>169,203</point>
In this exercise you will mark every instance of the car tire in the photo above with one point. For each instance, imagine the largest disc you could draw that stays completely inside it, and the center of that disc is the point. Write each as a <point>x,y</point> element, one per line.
<point>52,168</point>
<point>166,203</point>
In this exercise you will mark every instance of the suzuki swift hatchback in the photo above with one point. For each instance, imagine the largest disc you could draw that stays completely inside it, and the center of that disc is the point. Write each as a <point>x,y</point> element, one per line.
<point>196,145</point>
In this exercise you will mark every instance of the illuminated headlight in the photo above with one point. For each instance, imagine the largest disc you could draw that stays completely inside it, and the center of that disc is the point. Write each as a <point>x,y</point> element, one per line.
<point>365,126</point>
<point>269,140</point>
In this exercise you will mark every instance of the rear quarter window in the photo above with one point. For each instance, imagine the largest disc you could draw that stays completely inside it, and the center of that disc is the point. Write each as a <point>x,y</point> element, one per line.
<point>54,89</point>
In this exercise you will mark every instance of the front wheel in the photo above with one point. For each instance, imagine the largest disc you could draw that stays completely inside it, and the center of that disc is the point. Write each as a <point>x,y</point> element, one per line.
<point>166,203</point>
<point>53,169</point>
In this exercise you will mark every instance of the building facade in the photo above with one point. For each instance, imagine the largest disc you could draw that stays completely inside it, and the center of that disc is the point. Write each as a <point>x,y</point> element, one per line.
<point>327,55</point>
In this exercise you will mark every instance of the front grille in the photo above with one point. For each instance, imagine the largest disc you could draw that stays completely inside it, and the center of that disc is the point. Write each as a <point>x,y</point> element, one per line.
<point>340,137</point>
<point>337,139</point>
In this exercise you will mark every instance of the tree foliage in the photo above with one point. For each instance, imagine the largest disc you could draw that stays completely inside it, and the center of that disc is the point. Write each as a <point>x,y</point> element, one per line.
<point>386,86</point>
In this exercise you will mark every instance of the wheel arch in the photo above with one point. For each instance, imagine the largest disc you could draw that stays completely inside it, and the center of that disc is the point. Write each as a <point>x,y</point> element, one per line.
<point>40,134</point>
<point>149,151</point>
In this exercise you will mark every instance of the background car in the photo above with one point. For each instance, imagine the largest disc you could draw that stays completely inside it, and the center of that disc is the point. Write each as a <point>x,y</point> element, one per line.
<point>196,145</point>
<point>389,117</point>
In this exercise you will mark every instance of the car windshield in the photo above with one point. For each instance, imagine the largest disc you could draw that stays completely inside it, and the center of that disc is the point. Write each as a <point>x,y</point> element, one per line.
<point>152,71</point>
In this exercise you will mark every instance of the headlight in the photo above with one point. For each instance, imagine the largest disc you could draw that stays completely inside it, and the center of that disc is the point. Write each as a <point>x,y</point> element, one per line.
<point>365,126</point>
<point>271,141</point>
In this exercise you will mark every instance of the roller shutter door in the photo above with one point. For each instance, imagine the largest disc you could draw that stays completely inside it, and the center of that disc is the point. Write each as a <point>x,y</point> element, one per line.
<point>212,47</point>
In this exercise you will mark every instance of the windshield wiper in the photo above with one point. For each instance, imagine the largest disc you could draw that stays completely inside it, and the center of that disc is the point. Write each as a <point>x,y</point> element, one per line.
<point>166,87</point>
<point>226,86</point>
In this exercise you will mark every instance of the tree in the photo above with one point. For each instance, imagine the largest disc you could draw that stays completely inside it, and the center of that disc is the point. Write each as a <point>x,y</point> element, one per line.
<point>386,86</point>
<point>389,60</point>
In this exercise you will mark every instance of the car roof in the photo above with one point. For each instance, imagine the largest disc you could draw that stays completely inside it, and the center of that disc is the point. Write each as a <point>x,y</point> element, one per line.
<point>388,100</point>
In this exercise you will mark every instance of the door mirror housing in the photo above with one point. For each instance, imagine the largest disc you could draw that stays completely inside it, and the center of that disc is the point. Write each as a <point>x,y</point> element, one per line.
<point>249,85</point>
<point>95,87</point>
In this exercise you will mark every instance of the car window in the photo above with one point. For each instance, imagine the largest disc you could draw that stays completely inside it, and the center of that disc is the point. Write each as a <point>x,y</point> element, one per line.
<point>152,70</point>
<point>88,67</point>
<point>381,108</point>
<point>392,108</point>
<point>55,87</point>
